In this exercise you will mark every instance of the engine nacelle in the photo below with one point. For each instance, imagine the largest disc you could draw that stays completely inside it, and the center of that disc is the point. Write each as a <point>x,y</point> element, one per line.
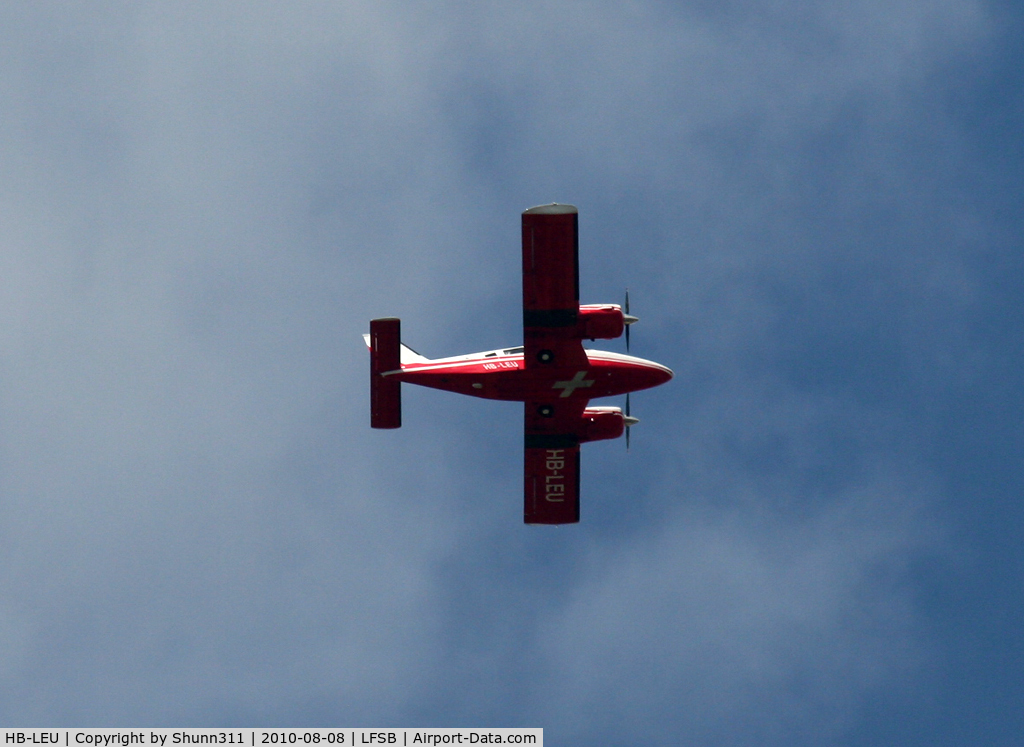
<point>600,321</point>
<point>600,423</point>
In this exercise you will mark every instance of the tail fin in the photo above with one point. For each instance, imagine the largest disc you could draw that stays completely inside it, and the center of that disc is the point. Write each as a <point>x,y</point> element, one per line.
<point>385,356</point>
<point>406,353</point>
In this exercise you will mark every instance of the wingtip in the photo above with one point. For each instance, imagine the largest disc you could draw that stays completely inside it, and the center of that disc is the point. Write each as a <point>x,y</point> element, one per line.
<point>553,208</point>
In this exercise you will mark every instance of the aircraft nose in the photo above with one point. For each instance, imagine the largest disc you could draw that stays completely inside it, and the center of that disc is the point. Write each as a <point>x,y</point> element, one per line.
<point>657,375</point>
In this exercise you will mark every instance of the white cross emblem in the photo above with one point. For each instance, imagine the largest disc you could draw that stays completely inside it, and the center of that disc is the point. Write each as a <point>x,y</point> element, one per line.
<point>568,387</point>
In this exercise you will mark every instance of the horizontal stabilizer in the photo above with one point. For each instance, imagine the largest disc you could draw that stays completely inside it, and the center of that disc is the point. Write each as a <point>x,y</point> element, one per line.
<point>385,355</point>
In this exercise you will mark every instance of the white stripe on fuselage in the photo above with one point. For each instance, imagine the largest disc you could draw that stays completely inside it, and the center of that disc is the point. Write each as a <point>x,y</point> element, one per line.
<point>608,355</point>
<point>472,359</point>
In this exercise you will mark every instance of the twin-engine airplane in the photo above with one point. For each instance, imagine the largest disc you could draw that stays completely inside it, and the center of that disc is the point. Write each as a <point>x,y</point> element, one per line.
<point>551,373</point>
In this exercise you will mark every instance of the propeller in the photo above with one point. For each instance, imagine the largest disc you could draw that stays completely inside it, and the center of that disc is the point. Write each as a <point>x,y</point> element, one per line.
<point>629,421</point>
<point>627,319</point>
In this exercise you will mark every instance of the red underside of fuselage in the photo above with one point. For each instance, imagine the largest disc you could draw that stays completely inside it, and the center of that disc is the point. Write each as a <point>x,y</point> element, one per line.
<point>506,378</point>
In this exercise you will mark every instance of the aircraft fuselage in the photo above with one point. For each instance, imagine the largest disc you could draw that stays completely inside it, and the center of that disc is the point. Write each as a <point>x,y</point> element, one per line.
<point>501,374</point>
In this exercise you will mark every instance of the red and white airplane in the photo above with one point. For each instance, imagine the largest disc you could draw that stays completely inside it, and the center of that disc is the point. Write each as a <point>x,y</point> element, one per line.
<point>551,373</point>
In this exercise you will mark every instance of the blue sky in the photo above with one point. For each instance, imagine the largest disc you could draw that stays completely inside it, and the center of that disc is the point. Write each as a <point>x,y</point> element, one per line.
<point>816,536</point>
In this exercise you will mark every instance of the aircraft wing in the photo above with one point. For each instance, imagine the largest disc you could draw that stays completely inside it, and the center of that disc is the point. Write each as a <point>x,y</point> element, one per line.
<point>552,463</point>
<point>551,287</point>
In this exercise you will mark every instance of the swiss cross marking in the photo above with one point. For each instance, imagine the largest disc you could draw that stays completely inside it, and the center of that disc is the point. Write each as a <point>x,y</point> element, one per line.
<point>570,386</point>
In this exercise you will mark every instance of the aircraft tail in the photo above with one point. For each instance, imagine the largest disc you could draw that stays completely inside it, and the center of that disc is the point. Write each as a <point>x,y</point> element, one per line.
<point>385,346</point>
<point>405,353</point>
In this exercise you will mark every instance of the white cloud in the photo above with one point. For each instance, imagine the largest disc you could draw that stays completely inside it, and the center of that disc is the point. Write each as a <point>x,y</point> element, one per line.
<point>738,624</point>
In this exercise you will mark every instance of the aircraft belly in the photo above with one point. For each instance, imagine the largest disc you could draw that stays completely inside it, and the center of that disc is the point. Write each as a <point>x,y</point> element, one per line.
<point>590,380</point>
<point>475,383</point>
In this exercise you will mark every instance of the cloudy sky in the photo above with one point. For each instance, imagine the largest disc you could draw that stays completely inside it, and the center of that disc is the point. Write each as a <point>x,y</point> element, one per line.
<point>816,537</point>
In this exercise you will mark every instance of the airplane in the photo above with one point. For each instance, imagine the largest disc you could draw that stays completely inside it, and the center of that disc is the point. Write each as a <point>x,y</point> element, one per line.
<point>551,372</point>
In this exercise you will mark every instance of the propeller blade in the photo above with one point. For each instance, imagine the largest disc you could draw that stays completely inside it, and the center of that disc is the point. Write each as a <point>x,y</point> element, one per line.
<point>628,319</point>
<point>629,420</point>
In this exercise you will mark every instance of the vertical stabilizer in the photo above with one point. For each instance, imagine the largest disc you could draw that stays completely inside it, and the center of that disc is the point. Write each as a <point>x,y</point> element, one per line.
<point>385,356</point>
